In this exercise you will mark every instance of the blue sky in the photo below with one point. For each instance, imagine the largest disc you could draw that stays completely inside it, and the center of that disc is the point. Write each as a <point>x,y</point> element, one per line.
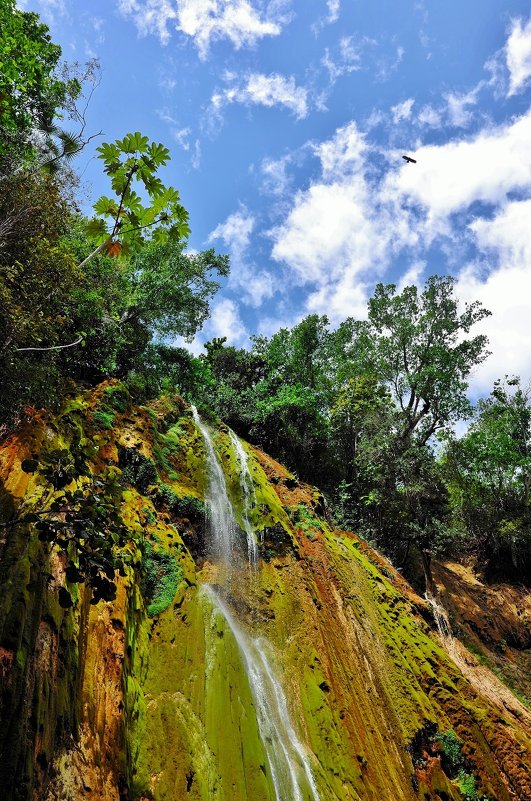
<point>287,121</point>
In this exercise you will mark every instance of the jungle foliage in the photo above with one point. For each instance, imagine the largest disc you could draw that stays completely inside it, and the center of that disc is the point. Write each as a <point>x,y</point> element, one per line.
<point>367,411</point>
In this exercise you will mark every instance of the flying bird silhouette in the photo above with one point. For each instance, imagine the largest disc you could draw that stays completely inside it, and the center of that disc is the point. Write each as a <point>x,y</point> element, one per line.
<point>409,160</point>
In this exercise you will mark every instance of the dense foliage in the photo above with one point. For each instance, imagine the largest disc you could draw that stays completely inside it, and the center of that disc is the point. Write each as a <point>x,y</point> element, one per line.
<point>366,411</point>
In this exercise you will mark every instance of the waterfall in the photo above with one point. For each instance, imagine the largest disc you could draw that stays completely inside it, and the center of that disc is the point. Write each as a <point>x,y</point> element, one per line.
<point>291,774</point>
<point>249,496</point>
<point>445,630</point>
<point>441,617</point>
<point>290,770</point>
<point>220,516</point>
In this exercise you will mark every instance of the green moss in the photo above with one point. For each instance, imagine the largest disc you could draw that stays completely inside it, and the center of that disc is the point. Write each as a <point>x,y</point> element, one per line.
<point>104,417</point>
<point>303,519</point>
<point>187,506</point>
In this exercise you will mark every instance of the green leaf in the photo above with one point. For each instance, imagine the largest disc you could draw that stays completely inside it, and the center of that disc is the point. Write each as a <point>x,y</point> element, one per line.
<point>106,205</point>
<point>109,152</point>
<point>159,153</point>
<point>96,228</point>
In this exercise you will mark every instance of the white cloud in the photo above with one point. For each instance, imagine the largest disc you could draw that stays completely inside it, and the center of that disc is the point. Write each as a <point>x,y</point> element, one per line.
<point>235,231</point>
<point>182,137</point>
<point>347,59</point>
<point>225,321</point>
<point>334,7</point>
<point>501,280</point>
<point>402,111</point>
<point>450,177</point>
<point>412,276</point>
<point>265,90</point>
<point>429,117</point>
<point>342,232</point>
<point>508,233</point>
<point>458,106</point>
<point>275,177</point>
<point>518,56</point>
<point>387,65</point>
<point>205,21</point>
<point>336,233</point>
<point>505,292</point>
<point>254,285</point>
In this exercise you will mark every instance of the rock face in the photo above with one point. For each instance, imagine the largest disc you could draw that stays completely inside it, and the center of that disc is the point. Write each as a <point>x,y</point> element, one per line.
<point>316,674</point>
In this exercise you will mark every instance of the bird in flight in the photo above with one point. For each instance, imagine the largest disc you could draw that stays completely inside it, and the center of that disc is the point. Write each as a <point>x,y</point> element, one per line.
<point>409,160</point>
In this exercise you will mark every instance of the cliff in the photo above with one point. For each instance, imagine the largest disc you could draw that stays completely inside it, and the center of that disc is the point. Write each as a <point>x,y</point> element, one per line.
<point>309,670</point>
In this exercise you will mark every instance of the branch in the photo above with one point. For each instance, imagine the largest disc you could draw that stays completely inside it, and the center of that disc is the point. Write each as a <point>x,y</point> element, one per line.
<point>95,252</point>
<point>132,171</point>
<point>52,347</point>
<point>83,143</point>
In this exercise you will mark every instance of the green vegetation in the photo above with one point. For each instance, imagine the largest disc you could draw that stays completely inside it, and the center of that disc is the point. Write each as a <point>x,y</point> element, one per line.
<point>181,505</point>
<point>302,518</point>
<point>138,470</point>
<point>454,764</point>
<point>161,577</point>
<point>451,746</point>
<point>366,411</point>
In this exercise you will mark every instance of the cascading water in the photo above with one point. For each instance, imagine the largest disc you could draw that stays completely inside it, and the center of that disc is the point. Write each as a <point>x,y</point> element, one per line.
<point>220,517</point>
<point>249,496</point>
<point>291,774</point>
<point>441,617</point>
<point>290,770</point>
<point>445,630</point>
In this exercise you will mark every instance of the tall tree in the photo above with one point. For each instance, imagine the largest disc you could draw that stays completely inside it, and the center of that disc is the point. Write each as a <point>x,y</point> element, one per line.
<point>416,343</point>
<point>31,92</point>
<point>488,474</point>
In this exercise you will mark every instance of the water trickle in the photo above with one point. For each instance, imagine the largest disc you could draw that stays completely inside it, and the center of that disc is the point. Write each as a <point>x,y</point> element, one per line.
<point>442,621</point>
<point>249,496</point>
<point>289,765</point>
<point>441,617</point>
<point>220,517</point>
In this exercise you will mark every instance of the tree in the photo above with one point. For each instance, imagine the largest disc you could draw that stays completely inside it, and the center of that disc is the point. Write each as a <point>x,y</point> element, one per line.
<point>356,409</point>
<point>30,90</point>
<point>416,344</point>
<point>123,221</point>
<point>488,474</point>
<point>169,289</point>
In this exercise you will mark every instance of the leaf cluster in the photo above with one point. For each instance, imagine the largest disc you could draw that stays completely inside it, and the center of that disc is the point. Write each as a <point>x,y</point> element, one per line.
<point>81,518</point>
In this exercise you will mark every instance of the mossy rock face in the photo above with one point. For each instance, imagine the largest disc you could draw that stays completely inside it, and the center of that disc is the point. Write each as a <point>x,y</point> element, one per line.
<point>151,696</point>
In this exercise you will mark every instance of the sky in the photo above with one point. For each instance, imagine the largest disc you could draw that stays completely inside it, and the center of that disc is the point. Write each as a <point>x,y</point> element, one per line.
<point>287,121</point>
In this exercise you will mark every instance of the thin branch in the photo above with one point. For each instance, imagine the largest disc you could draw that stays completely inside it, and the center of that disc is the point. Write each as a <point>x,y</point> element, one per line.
<point>83,143</point>
<point>52,347</point>
<point>95,252</point>
<point>132,171</point>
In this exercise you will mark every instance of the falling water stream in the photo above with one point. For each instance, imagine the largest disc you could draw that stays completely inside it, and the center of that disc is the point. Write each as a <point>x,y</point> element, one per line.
<point>222,526</point>
<point>445,630</point>
<point>249,496</point>
<point>289,765</point>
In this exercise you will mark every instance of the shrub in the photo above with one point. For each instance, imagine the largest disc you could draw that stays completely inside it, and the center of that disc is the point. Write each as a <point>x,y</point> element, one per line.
<point>162,575</point>
<point>104,417</point>
<point>117,397</point>
<point>137,469</point>
<point>181,505</point>
<point>452,746</point>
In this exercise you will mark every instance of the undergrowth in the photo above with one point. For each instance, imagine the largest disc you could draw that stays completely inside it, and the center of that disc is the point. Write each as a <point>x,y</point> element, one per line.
<point>162,575</point>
